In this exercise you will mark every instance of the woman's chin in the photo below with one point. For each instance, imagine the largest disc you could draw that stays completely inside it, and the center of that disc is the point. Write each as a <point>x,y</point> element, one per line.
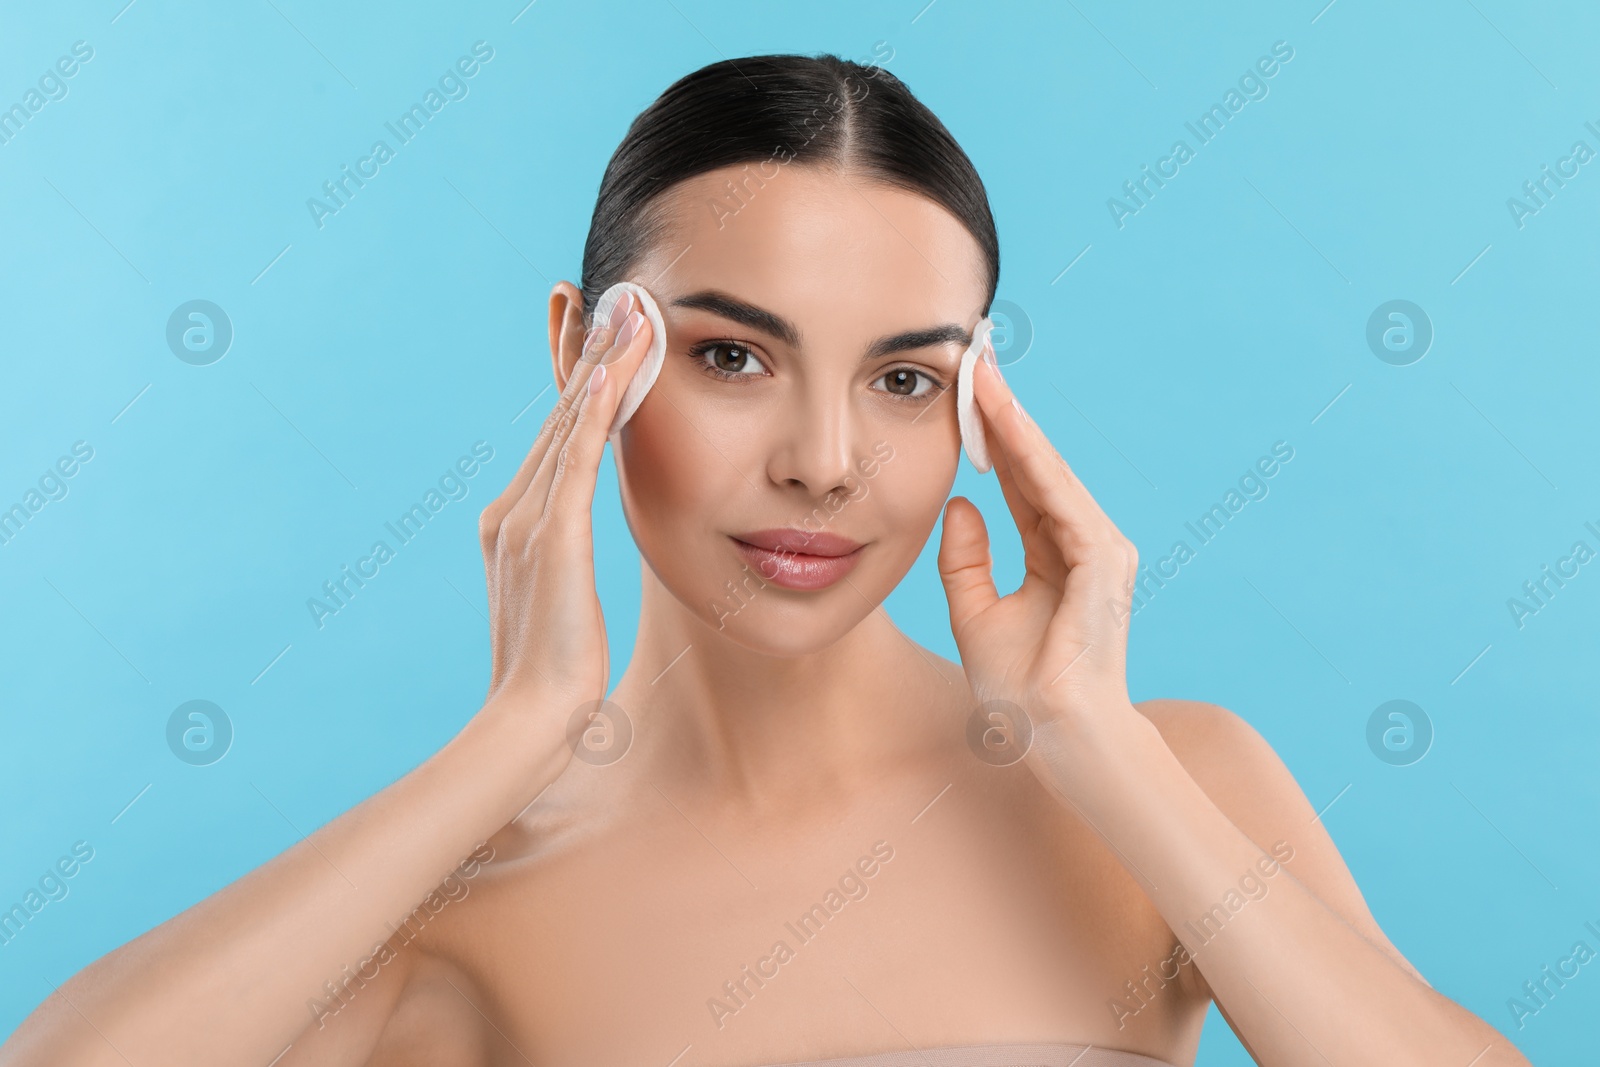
<point>787,630</point>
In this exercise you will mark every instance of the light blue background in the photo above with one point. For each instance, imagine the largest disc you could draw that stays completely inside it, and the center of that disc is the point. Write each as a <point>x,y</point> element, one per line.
<point>1228,314</point>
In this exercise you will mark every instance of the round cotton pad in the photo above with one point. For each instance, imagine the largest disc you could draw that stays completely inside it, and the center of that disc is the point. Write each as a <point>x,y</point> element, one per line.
<point>645,377</point>
<point>968,416</point>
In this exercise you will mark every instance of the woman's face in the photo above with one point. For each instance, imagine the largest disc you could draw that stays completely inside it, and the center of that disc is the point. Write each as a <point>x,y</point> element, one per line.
<point>814,325</point>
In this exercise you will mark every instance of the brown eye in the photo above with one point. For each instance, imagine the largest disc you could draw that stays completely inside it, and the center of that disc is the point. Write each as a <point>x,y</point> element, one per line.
<point>730,357</point>
<point>903,381</point>
<point>727,359</point>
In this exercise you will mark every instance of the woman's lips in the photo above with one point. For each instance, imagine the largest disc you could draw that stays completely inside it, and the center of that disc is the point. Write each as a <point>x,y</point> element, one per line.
<point>796,559</point>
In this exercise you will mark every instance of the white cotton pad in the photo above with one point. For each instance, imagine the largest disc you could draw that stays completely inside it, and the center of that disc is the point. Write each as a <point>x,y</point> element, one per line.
<point>968,416</point>
<point>645,377</point>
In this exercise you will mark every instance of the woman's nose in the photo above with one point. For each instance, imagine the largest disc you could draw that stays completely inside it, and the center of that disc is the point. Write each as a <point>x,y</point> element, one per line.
<point>814,442</point>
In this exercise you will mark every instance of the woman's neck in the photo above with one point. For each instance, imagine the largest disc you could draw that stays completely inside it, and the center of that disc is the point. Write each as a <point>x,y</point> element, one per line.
<point>778,729</point>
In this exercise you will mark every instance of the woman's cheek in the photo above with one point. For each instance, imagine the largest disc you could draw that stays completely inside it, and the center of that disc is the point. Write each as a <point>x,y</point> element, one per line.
<point>915,471</point>
<point>679,474</point>
<point>904,498</point>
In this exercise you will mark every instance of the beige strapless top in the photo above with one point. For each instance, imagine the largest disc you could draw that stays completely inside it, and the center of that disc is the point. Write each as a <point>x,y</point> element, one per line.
<point>993,1056</point>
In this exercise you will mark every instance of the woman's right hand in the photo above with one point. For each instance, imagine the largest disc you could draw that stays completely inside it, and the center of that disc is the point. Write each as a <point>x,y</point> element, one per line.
<point>546,629</point>
<point>247,958</point>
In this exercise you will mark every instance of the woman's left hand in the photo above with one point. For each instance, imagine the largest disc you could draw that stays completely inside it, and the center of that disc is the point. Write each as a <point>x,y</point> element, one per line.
<point>1057,646</point>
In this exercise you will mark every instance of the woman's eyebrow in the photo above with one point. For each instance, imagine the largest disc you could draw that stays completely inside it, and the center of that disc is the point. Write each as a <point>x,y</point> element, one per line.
<point>758,318</point>
<point>911,340</point>
<point>720,303</point>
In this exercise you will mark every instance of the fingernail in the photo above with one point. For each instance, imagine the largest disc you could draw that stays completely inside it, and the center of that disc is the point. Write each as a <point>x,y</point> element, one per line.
<point>597,379</point>
<point>620,311</point>
<point>988,355</point>
<point>590,339</point>
<point>630,329</point>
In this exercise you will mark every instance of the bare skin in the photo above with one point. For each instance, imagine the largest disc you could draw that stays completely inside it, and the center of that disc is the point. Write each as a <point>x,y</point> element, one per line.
<point>787,744</point>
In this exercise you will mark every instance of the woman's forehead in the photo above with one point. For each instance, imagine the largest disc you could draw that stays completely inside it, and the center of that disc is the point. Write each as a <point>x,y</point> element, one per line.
<point>817,243</point>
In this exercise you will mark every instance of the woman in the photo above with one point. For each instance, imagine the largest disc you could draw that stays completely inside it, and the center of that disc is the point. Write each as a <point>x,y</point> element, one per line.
<point>790,833</point>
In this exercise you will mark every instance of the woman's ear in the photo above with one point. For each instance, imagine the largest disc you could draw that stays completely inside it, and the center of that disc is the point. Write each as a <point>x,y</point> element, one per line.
<point>566,331</point>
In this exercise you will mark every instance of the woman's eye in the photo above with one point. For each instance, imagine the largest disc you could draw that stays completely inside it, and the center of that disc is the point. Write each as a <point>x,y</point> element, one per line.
<point>727,359</point>
<point>903,381</point>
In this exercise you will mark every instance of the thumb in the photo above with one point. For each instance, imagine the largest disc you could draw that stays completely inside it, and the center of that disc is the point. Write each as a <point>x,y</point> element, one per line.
<point>964,564</point>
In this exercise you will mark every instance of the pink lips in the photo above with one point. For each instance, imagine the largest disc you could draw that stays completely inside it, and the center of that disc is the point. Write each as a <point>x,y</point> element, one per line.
<point>799,559</point>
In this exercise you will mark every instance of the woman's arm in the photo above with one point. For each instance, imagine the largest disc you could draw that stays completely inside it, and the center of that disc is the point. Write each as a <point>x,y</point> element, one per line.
<point>230,980</point>
<point>1297,979</point>
<point>1271,919</point>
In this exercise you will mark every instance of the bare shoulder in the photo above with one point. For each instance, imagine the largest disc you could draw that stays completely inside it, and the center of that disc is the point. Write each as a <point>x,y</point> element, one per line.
<point>437,1007</point>
<point>1244,776</point>
<point>1230,759</point>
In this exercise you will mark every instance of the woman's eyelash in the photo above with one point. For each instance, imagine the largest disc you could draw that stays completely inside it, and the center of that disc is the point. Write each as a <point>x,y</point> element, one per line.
<point>701,350</point>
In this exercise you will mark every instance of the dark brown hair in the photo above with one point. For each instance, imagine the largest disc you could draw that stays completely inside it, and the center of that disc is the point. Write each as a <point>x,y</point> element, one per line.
<point>759,108</point>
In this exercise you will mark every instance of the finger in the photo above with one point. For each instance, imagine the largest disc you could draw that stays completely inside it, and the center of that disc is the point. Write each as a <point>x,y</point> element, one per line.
<point>590,419</point>
<point>1023,512</point>
<point>618,343</point>
<point>1100,562</point>
<point>494,514</point>
<point>964,564</point>
<point>617,359</point>
<point>572,488</point>
<point>1041,555</point>
<point>1041,474</point>
<point>595,345</point>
